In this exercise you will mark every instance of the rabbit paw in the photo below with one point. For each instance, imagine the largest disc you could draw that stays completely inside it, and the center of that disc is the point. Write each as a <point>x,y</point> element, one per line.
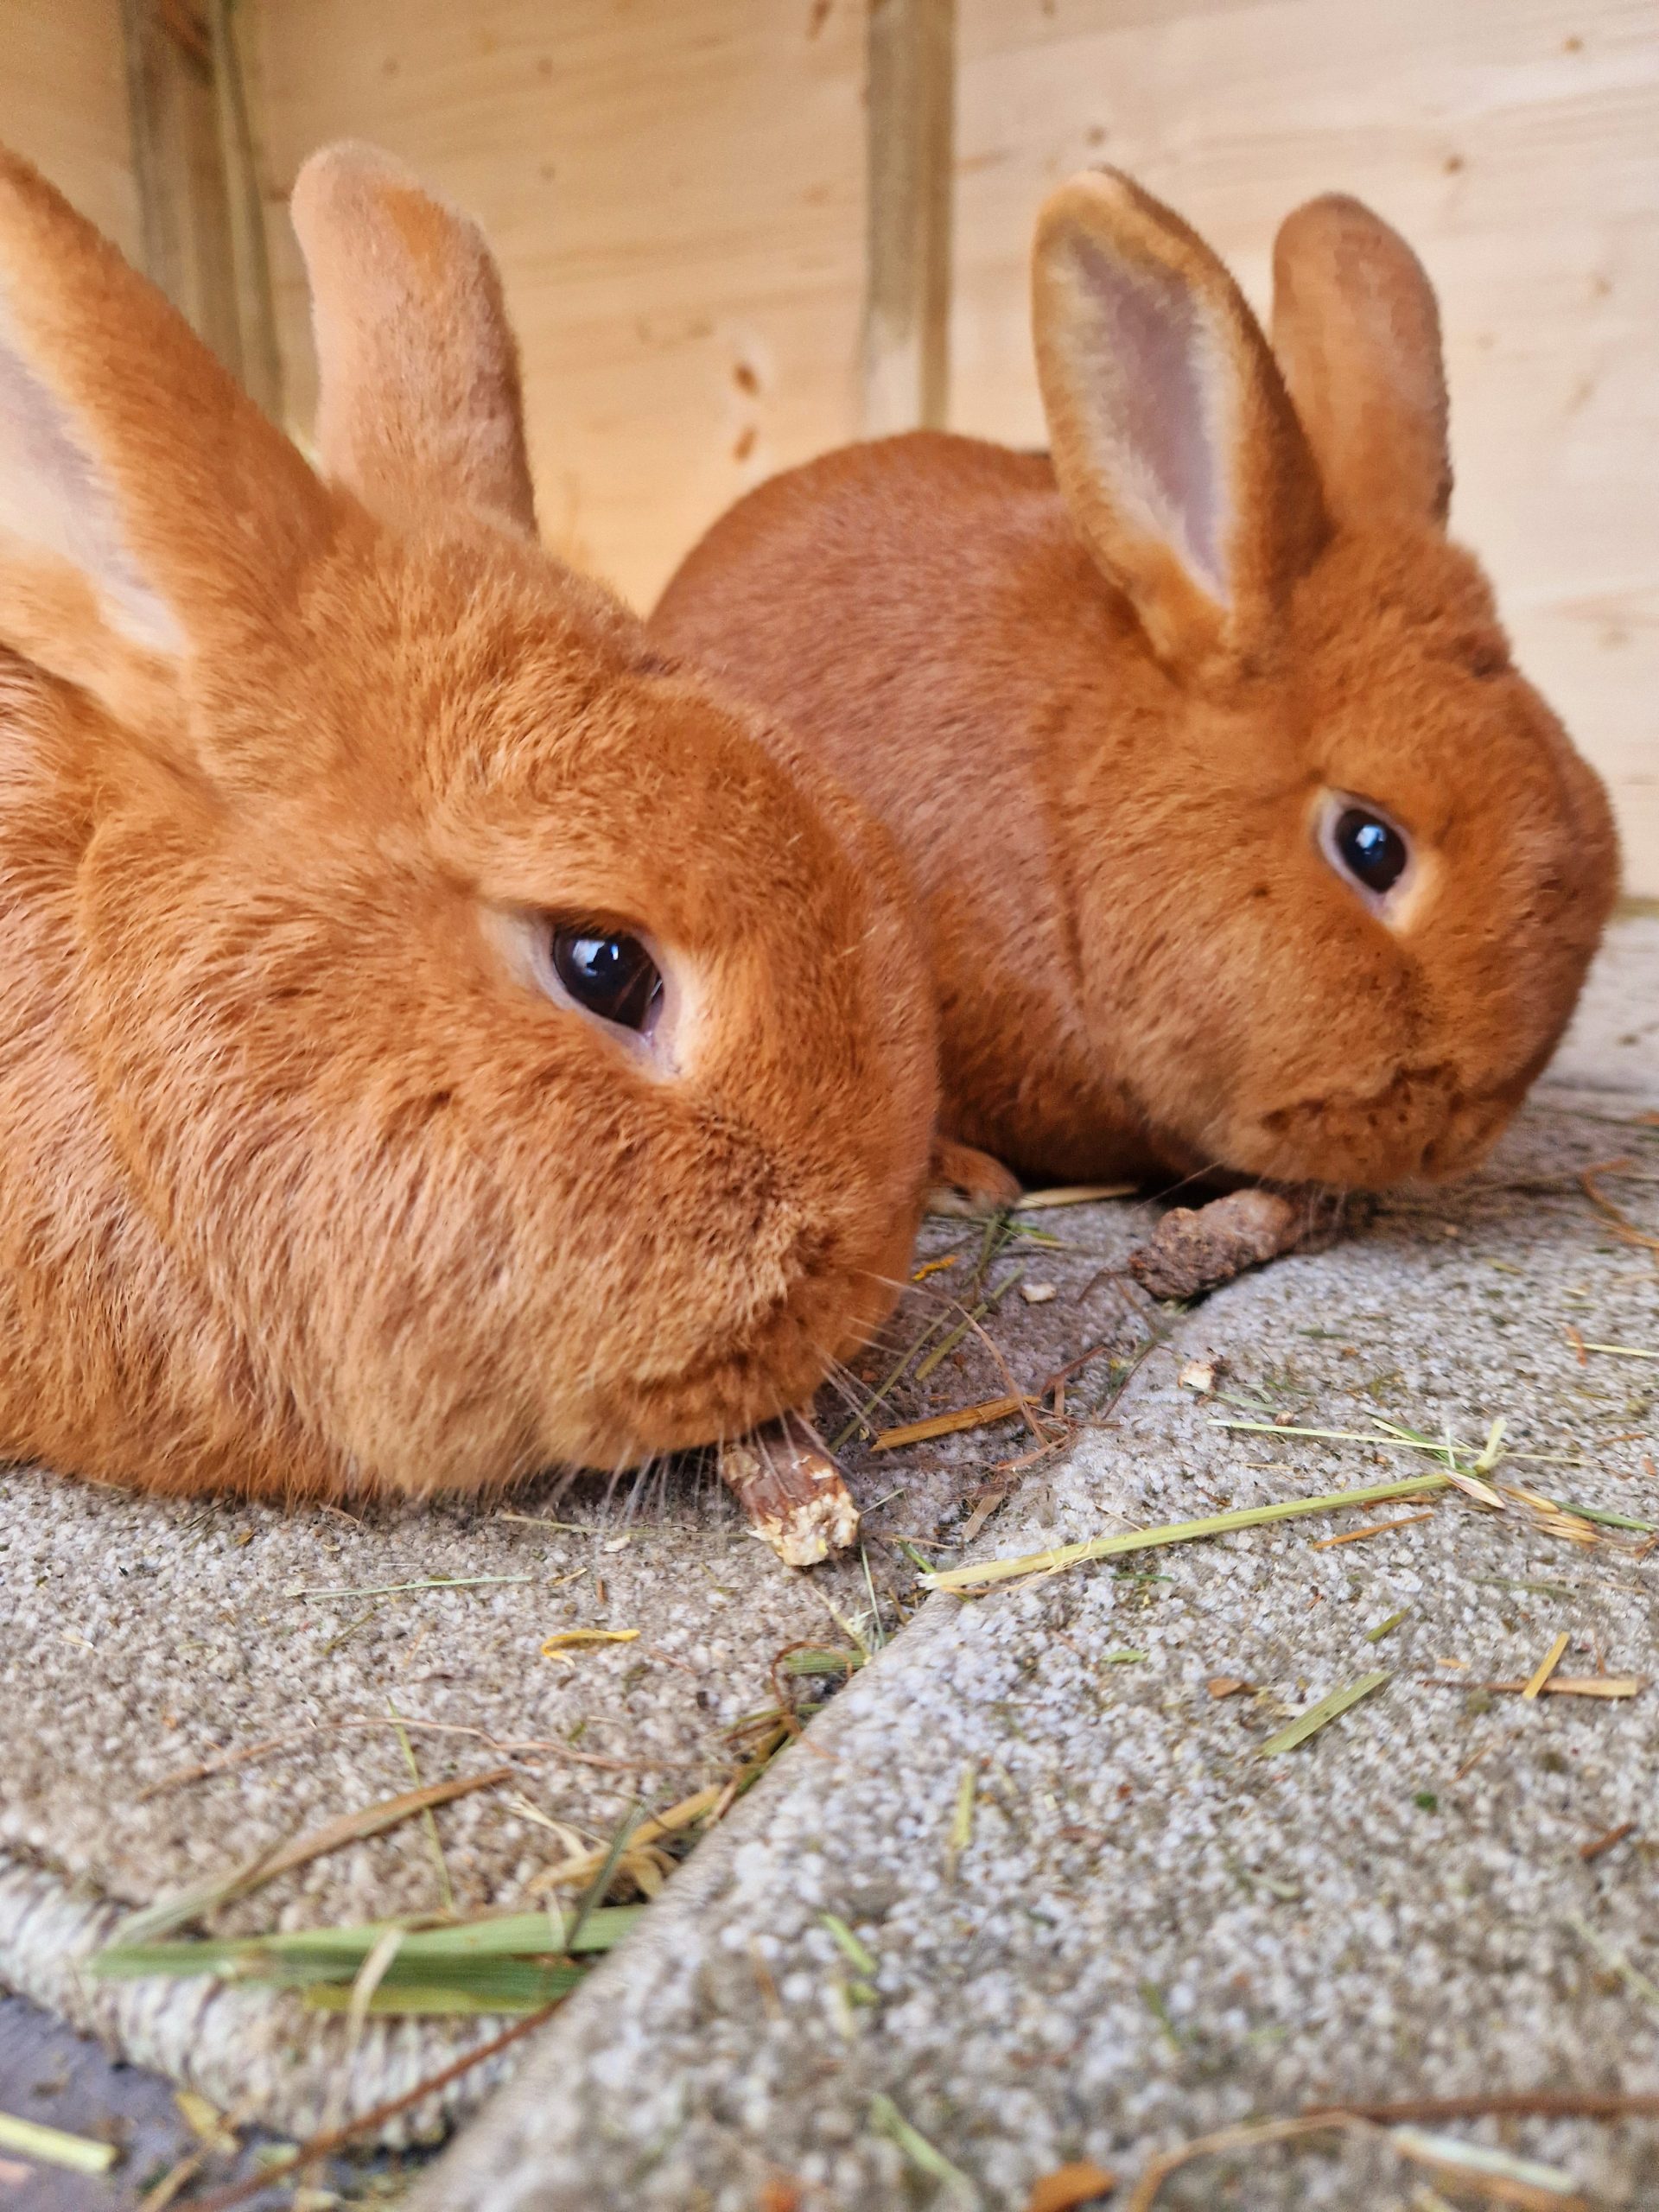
<point>962,1180</point>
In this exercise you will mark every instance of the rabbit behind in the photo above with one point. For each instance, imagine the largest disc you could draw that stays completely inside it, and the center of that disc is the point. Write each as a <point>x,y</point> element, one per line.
<point>439,1041</point>
<point>1243,843</point>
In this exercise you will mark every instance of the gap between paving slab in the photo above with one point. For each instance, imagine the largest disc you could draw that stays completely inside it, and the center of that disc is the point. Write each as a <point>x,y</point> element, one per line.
<point>1154,1930</point>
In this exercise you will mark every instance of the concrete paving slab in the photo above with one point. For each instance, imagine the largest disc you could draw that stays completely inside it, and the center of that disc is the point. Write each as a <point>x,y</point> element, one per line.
<point>1152,1929</point>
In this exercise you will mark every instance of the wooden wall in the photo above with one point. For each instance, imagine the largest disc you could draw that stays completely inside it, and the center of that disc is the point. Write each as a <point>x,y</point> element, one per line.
<point>63,103</point>
<point>1516,145</point>
<point>675,189</point>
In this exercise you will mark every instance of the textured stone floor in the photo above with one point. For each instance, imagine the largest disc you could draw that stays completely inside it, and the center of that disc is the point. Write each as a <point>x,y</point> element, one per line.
<point>1149,1930</point>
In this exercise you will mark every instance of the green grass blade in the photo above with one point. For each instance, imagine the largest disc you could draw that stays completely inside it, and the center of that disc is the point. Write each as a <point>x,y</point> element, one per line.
<point>337,1953</point>
<point>1178,1532</point>
<point>1309,1723</point>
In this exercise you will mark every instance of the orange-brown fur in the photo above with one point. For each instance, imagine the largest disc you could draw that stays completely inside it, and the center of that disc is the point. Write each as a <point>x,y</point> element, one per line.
<point>303,1188</point>
<point>1100,770</point>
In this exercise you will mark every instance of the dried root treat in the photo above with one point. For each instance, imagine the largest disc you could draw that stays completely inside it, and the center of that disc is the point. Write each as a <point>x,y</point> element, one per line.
<point>790,1490</point>
<point>1196,1249</point>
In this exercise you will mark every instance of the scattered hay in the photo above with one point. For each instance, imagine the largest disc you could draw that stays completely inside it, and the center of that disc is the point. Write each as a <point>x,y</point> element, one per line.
<point>168,1913</point>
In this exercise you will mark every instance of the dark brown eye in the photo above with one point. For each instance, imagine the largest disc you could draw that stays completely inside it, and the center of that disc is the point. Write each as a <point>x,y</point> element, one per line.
<point>613,978</point>
<point>1372,850</point>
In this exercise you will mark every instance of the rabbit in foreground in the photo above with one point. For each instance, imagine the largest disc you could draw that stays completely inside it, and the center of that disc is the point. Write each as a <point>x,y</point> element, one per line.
<point>436,1041</point>
<point>1243,845</point>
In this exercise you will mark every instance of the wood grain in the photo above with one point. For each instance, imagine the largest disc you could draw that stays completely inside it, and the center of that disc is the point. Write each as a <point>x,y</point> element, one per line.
<point>677,196</point>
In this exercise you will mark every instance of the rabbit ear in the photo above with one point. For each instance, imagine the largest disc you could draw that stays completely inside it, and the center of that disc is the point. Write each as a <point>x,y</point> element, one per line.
<point>1173,440</point>
<point>149,513</point>
<point>1357,334</point>
<point>419,405</point>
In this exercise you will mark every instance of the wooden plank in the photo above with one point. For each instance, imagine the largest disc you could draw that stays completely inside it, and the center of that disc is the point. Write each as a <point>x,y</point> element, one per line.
<point>911,128</point>
<point>1516,145</point>
<point>675,194</point>
<point>200,214</point>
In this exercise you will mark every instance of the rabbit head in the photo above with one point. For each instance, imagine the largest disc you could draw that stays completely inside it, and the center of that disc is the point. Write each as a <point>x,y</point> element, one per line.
<point>515,1054</point>
<point>1349,870</point>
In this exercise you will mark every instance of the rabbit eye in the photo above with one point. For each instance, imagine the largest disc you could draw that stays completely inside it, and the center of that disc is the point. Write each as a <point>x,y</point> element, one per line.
<point>1372,850</point>
<point>1363,844</point>
<point>612,977</point>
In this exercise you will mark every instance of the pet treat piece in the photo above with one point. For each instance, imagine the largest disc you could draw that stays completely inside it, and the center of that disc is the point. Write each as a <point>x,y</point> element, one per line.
<point>787,1482</point>
<point>1243,843</point>
<point>1195,1248</point>
<point>437,1039</point>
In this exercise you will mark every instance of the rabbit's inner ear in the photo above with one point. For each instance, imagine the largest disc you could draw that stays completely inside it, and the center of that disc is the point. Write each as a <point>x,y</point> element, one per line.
<point>55,508</point>
<point>1156,408</point>
<point>1174,443</point>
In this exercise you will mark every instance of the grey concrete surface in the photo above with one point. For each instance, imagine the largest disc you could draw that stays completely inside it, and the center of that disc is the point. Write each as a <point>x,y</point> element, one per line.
<point>1152,1929</point>
<point>52,2075</point>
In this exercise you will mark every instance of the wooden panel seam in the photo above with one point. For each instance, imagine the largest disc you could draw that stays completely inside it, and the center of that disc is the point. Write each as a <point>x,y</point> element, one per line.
<point>201,220</point>
<point>910,122</point>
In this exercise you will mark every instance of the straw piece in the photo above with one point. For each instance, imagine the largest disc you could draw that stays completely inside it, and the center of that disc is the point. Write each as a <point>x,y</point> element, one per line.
<point>1405,1440</point>
<point>51,2147</point>
<point>1594,1850</point>
<point>574,1873</point>
<point>1376,1529</point>
<point>1604,1519</point>
<point>1551,1661</point>
<point>499,1986</point>
<point>1309,1723</point>
<point>920,1431</point>
<point>852,1947</point>
<point>962,1821</point>
<point>887,2120</point>
<point>431,1582</point>
<point>1571,1686</point>
<point>961,1824</point>
<point>948,1343</point>
<point>1072,1194</point>
<point>1495,2175</point>
<point>161,1918</point>
<point>1177,1532</point>
<point>1246,2135</point>
<point>572,1639</point>
<point>1615,1960</point>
